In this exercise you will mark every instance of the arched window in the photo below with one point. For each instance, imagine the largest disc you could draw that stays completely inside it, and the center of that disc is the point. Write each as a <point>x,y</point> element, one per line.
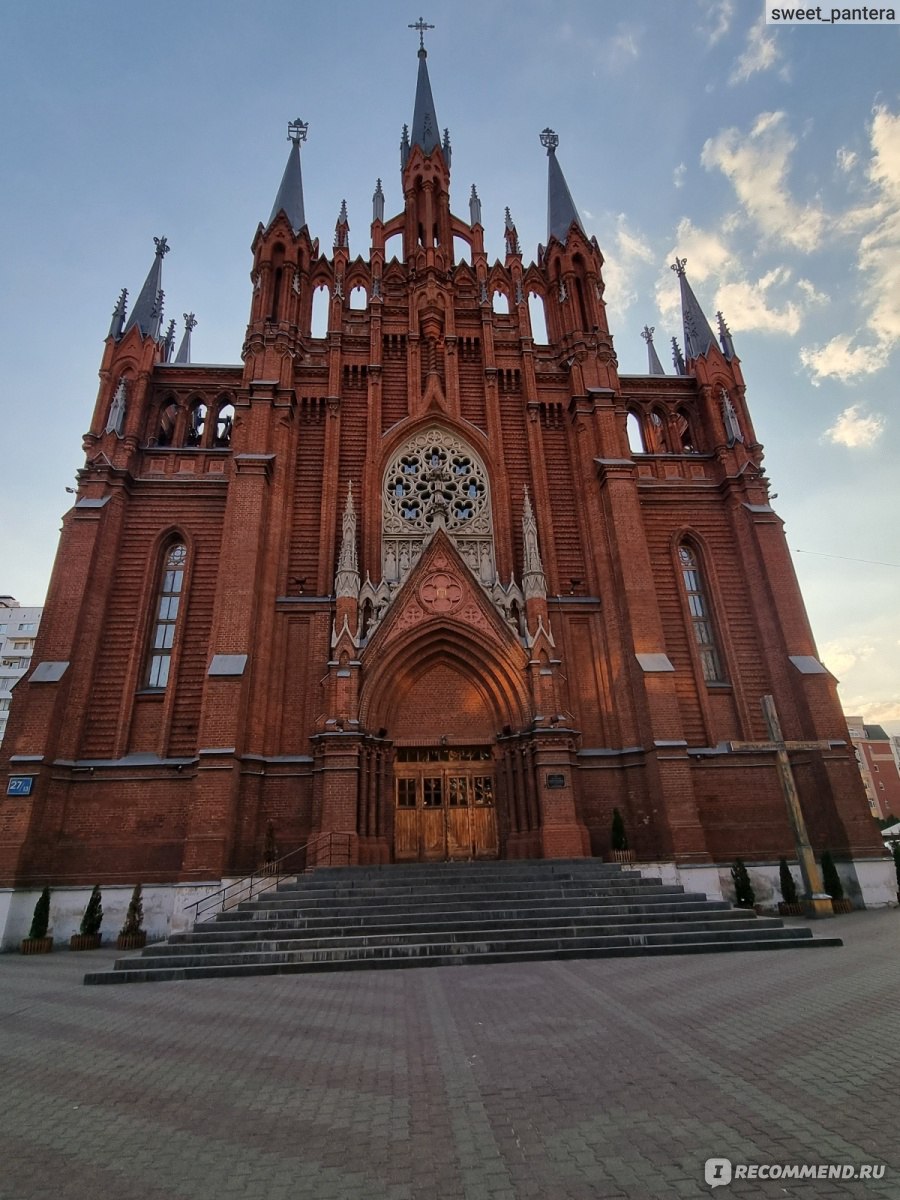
<point>168,415</point>
<point>462,251</point>
<point>165,617</point>
<point>224,425</point>
<point>685,432</point>
<point>197,425</point>
<point>358,299</point>
<point>658,432</point>
<point>320,305</point>
<point>700,616</point>
<point>635,433</point>
<point>500,303</point>
<point>537,313</point>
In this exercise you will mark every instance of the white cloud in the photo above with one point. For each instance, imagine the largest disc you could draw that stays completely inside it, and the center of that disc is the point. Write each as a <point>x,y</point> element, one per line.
<point>811,293</point>
<point>841,655</point>
<point>757,166</point>
<point>750,306</point>
<point>846,159</point>
<point>678,175</point>
<point>628,251</point>
<point>855,430</point>
<point>719,15</point>
<point>877,225</point>
<point>840,359</point>
<point>760,54</point>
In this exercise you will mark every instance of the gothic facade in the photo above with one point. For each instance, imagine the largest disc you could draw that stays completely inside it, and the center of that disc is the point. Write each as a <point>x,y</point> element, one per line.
<point>435,584</point>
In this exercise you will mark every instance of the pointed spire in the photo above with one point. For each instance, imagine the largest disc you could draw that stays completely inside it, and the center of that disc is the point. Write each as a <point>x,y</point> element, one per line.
<point>655,366</point>
<point>118,316</point>
<point>342,229</point>
<point>346,580</point>
<point>725,337</point>
<point>184,350</point>
<point>146,316</point>
<point>446,147</point>
<point>169,344</point>
<point>404,146</point>
<point>425,123</point>
<point>561,211</point>
<point>474,208</point>
<point>534,583</point>
<point>698,337</point>
<point>378,203</point>
<point>511,234</point>
<point>290,193</point>
<point>678,358</point>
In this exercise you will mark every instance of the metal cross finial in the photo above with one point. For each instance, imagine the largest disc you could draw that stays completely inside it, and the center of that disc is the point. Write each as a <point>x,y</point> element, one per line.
<point>162,247</point>
<point>297,130</point>
<point>549,139</point>
<point>190,321</point>
<point>647,333</point>
<point>678,266</point>
<point>420,26</point>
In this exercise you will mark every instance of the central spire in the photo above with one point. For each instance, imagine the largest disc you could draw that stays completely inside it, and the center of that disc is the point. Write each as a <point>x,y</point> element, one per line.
<point>561,210</point>
<point>290,194</point>
<point>425,131</point>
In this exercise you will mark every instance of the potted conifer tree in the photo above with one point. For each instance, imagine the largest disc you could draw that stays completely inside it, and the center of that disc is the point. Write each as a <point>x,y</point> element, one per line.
<point>833,885</point>
<point>37,941</point>
<point>790,905</point>
<point>132,935</point>
<point>270,851</point>
<point>744,895</point>
<point>89,937</point>
<point>619,840</point>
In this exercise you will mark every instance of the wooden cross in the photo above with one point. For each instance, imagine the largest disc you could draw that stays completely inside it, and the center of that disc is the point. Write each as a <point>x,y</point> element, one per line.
<point>817,899</point>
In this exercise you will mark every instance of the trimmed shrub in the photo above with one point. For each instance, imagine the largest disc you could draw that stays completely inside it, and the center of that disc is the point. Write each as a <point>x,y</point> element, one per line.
<point>744,895</point>
<point>41,919</point>
<point>830,877</point>
<point>93,914</point>
<point>786,882</point>
<point>619,836</point>
<point>134,918</point>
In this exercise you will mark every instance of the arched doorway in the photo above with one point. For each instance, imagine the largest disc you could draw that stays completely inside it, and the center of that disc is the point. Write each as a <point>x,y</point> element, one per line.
<point>441,699</point>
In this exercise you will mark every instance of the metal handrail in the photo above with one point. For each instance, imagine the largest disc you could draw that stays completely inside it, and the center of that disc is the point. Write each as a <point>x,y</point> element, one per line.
<point>268,876</point>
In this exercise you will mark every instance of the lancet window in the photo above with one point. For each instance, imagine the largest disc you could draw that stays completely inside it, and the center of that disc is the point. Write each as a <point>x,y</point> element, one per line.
<point>165,617</point>
<point>699,614</point>
<point>435,481</point>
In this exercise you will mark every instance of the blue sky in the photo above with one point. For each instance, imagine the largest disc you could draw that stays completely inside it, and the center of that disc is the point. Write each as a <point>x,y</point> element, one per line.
<point>768,157</point>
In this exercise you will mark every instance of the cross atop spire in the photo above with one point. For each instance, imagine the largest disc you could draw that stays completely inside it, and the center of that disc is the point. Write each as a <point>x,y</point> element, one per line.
<point>420,26</point>
<point>425,130</point>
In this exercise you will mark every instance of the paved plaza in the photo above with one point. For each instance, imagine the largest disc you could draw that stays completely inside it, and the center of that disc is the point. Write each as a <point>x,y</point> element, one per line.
<point>583,1079</point>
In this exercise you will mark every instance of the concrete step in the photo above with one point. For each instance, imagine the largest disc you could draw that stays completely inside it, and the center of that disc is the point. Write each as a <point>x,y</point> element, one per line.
<point>352,918</point>
<point>130,973</point>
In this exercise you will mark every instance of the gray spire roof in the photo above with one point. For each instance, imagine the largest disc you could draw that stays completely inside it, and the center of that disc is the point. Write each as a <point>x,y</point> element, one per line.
<point>725,340</point>
<point>118,317</point>
<point>654,365</point>
<point>184,350</point>
<point>146,315</point>
<point>290,194</point>
<point>698,337</point>
<point>424,130</point>
<point>561,211</point>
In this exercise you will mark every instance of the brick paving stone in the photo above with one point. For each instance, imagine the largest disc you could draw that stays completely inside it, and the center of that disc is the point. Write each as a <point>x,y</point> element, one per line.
<point>561,1081</point>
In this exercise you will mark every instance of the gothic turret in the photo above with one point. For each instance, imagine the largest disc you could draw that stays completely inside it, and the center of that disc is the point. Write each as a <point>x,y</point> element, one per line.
<point>654,366</point>
<point>698,337</point>
<point>146,316</point>
<point>424,131</point>
<point>561,211</point>
<point>725,338</point>
<point>184,350</point>
<point>290,193</point>
<point>118,318</point>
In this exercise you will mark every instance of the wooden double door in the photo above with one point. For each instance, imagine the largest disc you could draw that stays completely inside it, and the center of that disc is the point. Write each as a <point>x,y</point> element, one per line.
<point>444,804</point>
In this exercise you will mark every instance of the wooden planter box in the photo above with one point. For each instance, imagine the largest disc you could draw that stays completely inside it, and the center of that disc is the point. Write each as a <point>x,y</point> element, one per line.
<point>131,941</point>
<point>37,945</point>
<point>623,856</point>
<point>842,906</point>
<point>84,941</point>
<point>791,910</point>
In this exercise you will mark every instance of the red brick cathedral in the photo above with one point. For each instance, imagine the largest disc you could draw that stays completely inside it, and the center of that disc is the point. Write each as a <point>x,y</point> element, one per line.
<point>440,582</point>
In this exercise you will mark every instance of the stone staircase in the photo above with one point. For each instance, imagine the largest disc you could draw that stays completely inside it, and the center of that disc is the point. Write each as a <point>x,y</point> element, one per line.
<point>448,914</point>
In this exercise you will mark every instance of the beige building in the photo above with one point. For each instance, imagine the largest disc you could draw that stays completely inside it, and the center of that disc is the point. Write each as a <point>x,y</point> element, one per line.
<point>18,629</point>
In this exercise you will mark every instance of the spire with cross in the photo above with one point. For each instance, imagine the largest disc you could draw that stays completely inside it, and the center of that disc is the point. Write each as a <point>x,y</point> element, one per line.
<point>420,26</point>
